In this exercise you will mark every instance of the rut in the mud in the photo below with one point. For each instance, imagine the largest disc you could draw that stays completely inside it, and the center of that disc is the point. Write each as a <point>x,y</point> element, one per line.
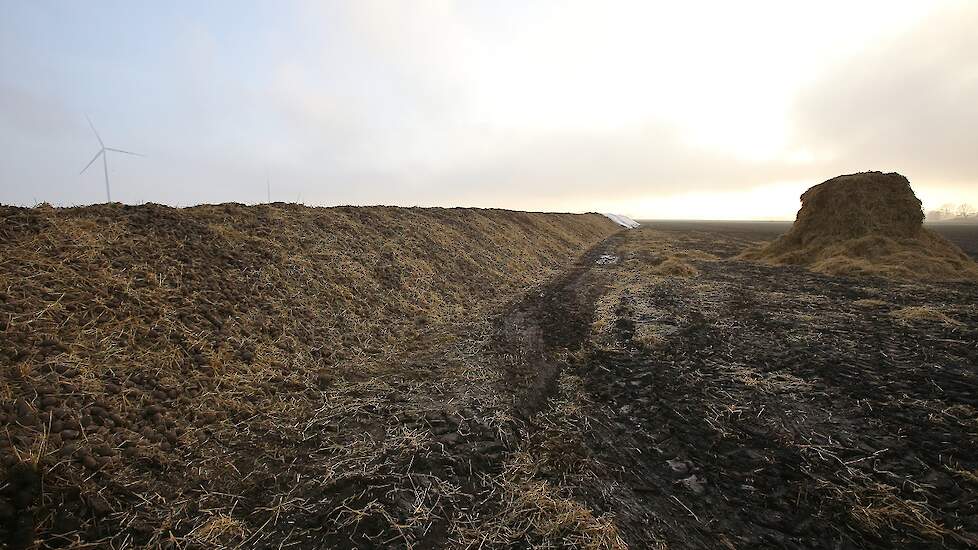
<point>554,319</point>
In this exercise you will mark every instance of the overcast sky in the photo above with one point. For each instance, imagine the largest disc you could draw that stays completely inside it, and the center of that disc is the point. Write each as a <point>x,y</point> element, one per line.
<point>655,110</point>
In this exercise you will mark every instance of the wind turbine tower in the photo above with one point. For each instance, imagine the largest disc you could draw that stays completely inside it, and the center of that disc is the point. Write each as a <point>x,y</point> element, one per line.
<point>105,163</point>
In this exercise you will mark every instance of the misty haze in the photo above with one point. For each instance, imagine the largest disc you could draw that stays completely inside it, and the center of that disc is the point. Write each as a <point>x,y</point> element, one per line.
<point>471,274</point>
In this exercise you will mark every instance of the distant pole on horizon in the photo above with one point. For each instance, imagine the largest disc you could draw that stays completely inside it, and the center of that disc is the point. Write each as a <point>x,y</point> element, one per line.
<point>105,169</point>
<point>268,188</point>
<point>105,162</point>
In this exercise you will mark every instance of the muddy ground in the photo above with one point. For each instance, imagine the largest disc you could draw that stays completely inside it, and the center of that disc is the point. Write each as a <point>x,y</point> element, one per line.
<point>750,406</point>
<point>654,395</point>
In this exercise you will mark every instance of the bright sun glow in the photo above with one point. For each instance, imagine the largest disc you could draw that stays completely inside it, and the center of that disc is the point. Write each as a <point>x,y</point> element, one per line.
<point>724,81</point>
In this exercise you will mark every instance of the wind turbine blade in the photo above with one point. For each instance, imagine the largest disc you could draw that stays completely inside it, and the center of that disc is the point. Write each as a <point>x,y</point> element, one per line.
<point>126,152</point>
<point>98,137</point>
<point>100,152</point>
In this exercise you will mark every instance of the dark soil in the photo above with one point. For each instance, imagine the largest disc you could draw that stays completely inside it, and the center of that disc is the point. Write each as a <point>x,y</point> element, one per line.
<point>779,413</point>
<point>21,492</point>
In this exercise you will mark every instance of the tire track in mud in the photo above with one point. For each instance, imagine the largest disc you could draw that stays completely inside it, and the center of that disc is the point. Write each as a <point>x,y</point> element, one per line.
<point>547,321</point>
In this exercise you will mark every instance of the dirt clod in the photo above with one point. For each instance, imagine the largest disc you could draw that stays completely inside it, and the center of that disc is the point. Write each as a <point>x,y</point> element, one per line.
<point>21,490</point>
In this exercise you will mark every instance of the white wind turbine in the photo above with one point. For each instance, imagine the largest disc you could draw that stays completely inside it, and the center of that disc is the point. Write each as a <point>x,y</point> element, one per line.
<point>105,164</point>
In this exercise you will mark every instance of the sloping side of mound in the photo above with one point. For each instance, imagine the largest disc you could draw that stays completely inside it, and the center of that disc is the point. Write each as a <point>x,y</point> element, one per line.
<point>115,285</point>
<point>208,375</point>
<point>869,223</point>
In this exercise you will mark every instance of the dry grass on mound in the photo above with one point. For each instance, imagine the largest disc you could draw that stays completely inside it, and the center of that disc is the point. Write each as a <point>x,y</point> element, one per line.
<point>697,255</point>
<point>648,337</point>
<point>923,313</point>
<point>870,302</point>
<point>149,351</point>
<point>676,267</point>
<point>867,224</point>
<point>926,257</point>
<point>231,286</point>
<point>539,484</point>
<point>648,255</point>
<point>536,510</point>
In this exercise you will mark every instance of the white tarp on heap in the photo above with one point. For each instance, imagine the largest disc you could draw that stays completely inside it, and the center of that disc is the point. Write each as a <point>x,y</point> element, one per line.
<point>623,221</point>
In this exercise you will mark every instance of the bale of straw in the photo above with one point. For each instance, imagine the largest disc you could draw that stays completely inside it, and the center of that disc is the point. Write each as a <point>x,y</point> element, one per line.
<point>866,224</point>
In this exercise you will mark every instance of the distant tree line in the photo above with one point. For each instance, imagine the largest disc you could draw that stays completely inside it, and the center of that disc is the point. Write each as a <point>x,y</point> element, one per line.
<point>950,211</point>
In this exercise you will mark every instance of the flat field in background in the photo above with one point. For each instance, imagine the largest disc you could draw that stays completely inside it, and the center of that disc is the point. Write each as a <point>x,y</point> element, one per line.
<point>963,235</point>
